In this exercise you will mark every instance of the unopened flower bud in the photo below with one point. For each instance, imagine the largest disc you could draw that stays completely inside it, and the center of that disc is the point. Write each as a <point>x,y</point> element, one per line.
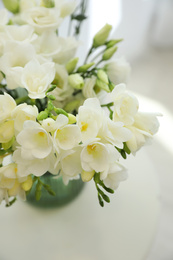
<point>26,185</point>
<point>42,115</point>
<point>12,5</point>
<point>71,106</point>
<point>48,3</point>
<point>101,74</point>
<point>109,53</point>
<point>71,65</point>
<point>102,35</point>
<point>111,43</point>
<point>102,85</point>
<point>87,176</point>
<point>85,67</point>
<point>76,81</point>
<point>72,119</point>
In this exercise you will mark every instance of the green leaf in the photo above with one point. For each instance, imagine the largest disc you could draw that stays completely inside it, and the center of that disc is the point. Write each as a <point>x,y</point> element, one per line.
<point>51,97</point>
<point>51,89</point>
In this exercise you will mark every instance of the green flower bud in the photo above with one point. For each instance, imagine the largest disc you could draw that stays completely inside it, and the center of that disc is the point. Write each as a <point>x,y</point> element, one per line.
<point>111,86</point>
<point>101,74</point>
<point>102,85</point>
<point>50,106</point>
<point>76,81</point>
<point>59,111</point>
<point>87,176</point>
<point>85,67</point>
<point>71,65</point>
<point>111,43</point>
<point>48,3</point>
<point>71,106</point>
<point>109,53</point>
<point>72,119</point>
<point>102,35</point>
<point>12,5</point>
<point>7,145</point>
<point>42,115</point>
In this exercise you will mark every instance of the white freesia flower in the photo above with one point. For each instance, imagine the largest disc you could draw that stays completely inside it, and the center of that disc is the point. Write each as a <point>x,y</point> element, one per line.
<point>66,136</point>
<point>70,164</point>
<point>33,165</point>
<point>90,118</point>
<point>34,140</point>
<point>118,71</point>
<point>42,18</point>
<point>27,4</point>
<point>68,47</point>
<point>66,7</point>
<point>125,105</point>
<point>147,122</point>
<point>7,105</point>
<point>3,39</point>
<point>11,183</point>
<point>3,18</point>
<point>49,124</point>
<point>37,77</point>
<point>115,132</point>
<point>117,173</point>
<point>144,127</point>
<point>88,88</point>
<point>95,156</point>
<point>15,57</point>
<point>22,113</point>
<point>23,33</point>
<point>6,131</point>
<point>63,89</point>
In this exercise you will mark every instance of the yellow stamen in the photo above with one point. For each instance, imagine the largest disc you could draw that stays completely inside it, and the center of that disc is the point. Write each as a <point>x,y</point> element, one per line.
<point>91,148</point>
<point>41,134</point>
<point>84,126</point>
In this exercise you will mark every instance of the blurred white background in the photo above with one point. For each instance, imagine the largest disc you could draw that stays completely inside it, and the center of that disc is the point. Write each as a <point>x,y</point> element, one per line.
<point>147,29</point>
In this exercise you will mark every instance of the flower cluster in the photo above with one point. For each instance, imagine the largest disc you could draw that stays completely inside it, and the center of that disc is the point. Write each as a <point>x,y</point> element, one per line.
<point>55,116</point>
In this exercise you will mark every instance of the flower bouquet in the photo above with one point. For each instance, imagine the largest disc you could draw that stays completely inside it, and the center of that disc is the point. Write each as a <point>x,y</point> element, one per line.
<point>73,121</point>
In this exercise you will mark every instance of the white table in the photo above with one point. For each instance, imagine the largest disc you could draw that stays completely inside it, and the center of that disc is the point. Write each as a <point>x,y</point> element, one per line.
<point>82,230</point>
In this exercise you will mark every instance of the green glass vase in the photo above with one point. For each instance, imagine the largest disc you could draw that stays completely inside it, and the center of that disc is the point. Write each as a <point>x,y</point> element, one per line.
<point>63,193</point>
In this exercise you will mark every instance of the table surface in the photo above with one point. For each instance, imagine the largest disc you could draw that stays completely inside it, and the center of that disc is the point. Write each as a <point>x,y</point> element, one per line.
<point>82,230</point>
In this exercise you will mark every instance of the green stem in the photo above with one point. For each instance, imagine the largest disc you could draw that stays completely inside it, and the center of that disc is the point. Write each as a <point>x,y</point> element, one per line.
<point>21,100</point>
<point>108,105</point>
<point>89,52</point>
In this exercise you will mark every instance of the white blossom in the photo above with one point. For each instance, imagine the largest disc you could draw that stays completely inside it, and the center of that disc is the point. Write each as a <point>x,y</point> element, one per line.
<point>3,18</point>
<point>7,105</point>
<point>95,156</point>
<point>37,77</point>
<point>90,118</point>
<point>42,18</point>
<point>27,164</point>
<point>22,113</point>
<point>144,127</point>
<point>23,33</point>
<point>16,55</point>
<point>70,164</point>
<point>66,7</point>
<point>117,173</point>
<point>6,131</point>
<point>66,136</point>
<point>118,71</point>
<point>34,140</point>
<point>63,89</point>
<point>125,105</point>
